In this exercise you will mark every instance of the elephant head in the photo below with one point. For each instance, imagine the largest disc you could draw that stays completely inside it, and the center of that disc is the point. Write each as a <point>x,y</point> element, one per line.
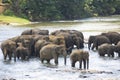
<point>78,41</point>
<point>61,50</point>
<point>90,41</point>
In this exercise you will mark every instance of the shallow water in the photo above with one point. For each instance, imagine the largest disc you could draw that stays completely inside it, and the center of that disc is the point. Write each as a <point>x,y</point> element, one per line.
<point>101,68</point>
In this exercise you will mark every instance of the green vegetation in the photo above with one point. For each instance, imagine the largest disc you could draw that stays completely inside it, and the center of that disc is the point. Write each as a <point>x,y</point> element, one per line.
<point>47,10</point>
<point>13,19</point>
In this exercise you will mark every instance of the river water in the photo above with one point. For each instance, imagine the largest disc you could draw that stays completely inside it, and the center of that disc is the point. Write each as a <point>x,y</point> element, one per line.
<point>101,68</point>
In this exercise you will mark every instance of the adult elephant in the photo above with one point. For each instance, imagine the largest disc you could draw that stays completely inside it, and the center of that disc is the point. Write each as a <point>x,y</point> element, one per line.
<point>99,40</point>
<point>81,56</point>
<point>52,51</point>
<point>106,49</point>
<point>35,32</point>
<point>38,45</point>
<point>114,37</point>
<point>21,52</point>
<point>8,48</point>
<point>69,43</point>
<point>78,33</point>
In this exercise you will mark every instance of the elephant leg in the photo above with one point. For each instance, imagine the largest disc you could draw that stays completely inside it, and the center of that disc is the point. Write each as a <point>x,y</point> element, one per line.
<point>87,63</point>
<point>5,56</point>
<point>96,47</point>
<point>48,61</point>
<point>119,54</point>
<point>18,56</point>
<point>10,56</point>
<point>89,45</point>
<point>56,61</point>
<point>92,47</point>
<point>112,54</point>
<point>42,60</point>
<point>73,63</point>
<point>84,62</point>
<point>108,54</point>
<point>15,57</point>
<point>80,62</point>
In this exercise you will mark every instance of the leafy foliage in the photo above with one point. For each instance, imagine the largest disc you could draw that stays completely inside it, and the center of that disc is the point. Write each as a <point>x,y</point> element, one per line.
<point>46,10</point>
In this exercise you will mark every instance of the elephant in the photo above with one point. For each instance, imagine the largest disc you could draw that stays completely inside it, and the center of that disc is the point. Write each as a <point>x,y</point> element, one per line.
<point>69,43</point>
<point>38,45</point>
<point>57,39</point>
<point>81,56</point>
<point>78,41</point>
<point>35,32</point>
<point>27,32</point>
<point>15,39</point>
<point>58,32</point>
<point>22,52</point>
<point>90,41</point>
<point>117,48</point>
<point>106,49</point>
<point>72,37</point>
<point>99,40</point>
<point>8,48</point>
<point>40,37</point>
<point>52,51</point>
<point>114,37</point>
<point>28,42</point>
<point>78,33</point>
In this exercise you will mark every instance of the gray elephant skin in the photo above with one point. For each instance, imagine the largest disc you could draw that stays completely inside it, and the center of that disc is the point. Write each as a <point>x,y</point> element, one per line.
<point>8,48</point>
<point>35,32</point>
<point>52,51</point>
<point>106,49</point>
<point>72,37</point>
<point>114,37</point>
<point>22,52</point>
<point>38,45</point>
<point>117,48</point>
<point>81,56</point>
<point>99,40</point>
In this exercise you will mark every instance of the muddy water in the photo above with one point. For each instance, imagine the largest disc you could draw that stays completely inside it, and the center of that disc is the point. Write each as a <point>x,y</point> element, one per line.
<point>101,68</point>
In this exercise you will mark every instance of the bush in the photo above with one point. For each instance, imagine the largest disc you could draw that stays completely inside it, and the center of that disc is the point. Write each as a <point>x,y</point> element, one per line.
<point>8,12</point>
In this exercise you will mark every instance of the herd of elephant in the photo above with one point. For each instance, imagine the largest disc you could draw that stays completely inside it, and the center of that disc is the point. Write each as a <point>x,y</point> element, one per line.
<point>47,46</point>
<point>106,43</point>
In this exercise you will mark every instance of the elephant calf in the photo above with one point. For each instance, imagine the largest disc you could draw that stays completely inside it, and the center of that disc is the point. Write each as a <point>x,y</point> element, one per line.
<point>106,49</point>
<point>22,52</point>
<point>52,51</point>
<point>81,56</point>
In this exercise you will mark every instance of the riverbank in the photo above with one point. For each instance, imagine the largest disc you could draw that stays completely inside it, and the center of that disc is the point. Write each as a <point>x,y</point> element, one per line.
<point>13,20</point>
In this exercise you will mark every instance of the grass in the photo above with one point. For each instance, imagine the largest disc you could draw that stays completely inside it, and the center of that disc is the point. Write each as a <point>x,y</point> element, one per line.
<point>13,20</point>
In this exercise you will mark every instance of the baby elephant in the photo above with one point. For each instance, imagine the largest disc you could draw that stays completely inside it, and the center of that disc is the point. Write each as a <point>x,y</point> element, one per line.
<point>106,49</point>
<point>81,56</point>
<point>22,52</point>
